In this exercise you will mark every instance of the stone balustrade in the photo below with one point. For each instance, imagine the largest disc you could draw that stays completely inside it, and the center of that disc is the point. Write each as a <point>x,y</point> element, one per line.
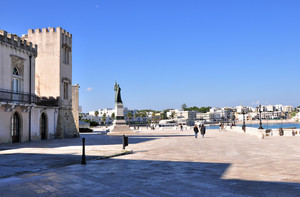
<point>262,133</point>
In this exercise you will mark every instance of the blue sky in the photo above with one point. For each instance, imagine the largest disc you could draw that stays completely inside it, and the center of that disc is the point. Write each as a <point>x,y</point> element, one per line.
<point>164,53</point>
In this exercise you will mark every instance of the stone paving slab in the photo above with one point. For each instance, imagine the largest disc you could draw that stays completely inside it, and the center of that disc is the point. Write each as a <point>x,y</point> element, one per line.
<point>174,164</point>
<point>16,159</point>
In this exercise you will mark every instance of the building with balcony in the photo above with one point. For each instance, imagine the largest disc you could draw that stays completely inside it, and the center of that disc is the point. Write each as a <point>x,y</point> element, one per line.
<point>33,104</point>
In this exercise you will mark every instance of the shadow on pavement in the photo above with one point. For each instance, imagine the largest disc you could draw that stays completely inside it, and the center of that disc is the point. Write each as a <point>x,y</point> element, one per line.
<point>117,177</point>
<point>90,139</point>
<point>20,163</point>
<point>178,178</point>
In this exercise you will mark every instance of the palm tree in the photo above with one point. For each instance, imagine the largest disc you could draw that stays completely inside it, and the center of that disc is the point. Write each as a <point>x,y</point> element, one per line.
<point>96,113</point>
<point>129,115</point>
<point>113,115</point>
<point>143,115</point>
<point>136,115</point>
<point>104,117</point>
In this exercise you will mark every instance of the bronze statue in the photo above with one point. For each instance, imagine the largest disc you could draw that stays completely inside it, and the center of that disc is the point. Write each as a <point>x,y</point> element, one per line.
<point>118,93</point>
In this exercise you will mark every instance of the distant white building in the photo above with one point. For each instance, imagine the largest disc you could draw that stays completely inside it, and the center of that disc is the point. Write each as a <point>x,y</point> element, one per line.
<point>188,115</point>
<point>278,107</point>
<point>272,115</point>
<point>287,108</point>
<point>270,108</point>
<point>246,108</point>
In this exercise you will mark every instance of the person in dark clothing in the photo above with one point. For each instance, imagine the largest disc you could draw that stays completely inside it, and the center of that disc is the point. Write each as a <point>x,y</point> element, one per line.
<point>202,129</point>
<point>196,130</point>
<point>181,127</point>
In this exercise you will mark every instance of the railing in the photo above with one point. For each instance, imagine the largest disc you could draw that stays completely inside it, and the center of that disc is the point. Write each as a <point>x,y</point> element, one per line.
<point>44,101</point>
<point>16,97</point>
<point>25,98</point>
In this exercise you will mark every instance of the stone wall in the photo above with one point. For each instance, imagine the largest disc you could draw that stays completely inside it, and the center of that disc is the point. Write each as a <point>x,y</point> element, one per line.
<point>66,127</point>
<point>75,104</point>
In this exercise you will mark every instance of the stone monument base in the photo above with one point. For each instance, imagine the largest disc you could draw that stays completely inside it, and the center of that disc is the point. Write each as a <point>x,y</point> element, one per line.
<point>120,128</point>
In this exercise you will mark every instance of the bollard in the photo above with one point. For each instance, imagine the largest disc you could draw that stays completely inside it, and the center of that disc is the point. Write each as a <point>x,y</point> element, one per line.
<point>125,142</point>
<point>83,161</point>
<point>281,133</point>
<point>244,128</point>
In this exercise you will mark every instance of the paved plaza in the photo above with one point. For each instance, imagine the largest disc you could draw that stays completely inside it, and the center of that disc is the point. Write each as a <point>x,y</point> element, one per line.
<point>164,163</point>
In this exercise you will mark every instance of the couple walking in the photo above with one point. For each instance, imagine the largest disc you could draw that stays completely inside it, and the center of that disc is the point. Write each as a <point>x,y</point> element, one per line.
<point>202,130</point>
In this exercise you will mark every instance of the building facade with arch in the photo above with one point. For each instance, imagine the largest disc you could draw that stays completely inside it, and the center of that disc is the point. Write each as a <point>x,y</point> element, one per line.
<point>36,93</point>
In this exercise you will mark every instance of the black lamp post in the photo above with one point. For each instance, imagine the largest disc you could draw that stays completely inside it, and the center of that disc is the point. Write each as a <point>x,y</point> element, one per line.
<point>244,125</point>
<point>227,118</point>
<point>260,123</point>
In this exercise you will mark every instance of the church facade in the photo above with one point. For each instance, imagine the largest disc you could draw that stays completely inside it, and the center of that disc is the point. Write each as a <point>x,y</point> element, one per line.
<point>36,86</point>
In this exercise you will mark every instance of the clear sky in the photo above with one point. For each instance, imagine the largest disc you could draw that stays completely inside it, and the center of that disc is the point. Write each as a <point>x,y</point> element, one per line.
<point>164,53</point>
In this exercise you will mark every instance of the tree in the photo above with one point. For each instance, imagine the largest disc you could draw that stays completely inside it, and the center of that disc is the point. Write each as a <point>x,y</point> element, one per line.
<point>104,117</point>
<point>96,113</point>
<point>113,115</point>
<point>202,109</point>
<point>136,115</point>
<point>143,114</point>
<point>183,106</point>
<point>163,115</point>
<point>129,115</point>
<point>173,115</point>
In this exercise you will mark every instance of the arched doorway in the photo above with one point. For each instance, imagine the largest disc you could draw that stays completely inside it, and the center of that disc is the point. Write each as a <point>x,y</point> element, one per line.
<point>15,126</point>
<point>43,126</point>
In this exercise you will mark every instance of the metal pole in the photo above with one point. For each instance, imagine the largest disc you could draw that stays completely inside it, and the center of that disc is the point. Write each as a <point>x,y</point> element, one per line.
<point>83,160</point>
<point>244,125</point>
<point>228,119</point>
<point>260,123</point>
<point>30,97</point>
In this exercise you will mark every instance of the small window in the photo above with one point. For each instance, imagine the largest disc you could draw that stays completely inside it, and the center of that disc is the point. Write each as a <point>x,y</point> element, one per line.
<point>66,55</point>
<point>16,71</point>
<point>66,90</point>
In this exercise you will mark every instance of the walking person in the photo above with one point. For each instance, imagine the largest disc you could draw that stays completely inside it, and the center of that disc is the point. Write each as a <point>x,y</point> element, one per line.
<point>202,130</point>
<point>196,130</point>
<point>181,127</point>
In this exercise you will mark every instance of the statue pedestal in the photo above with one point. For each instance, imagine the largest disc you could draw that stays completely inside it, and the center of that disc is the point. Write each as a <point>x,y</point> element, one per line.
<point>120,126</point>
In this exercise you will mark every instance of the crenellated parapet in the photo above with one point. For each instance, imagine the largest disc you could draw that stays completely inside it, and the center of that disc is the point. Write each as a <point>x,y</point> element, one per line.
<point>50,30</point>
<point>66,36</point>
<point>17,42</point>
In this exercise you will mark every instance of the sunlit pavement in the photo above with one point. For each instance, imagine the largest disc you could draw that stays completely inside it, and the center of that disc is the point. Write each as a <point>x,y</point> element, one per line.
<point>164,163</point>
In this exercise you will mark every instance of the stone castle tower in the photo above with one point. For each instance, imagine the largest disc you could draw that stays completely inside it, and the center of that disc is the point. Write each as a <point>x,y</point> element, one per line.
<point>54,73</point>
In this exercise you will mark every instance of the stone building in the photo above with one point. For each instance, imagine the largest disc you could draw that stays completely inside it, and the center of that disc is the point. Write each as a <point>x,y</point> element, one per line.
<point>54,73</point>
<point>35,86</point>
<point>75,104</point>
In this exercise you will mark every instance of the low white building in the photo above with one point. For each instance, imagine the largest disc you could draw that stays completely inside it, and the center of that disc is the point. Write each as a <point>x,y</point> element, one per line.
<point>188,115</point>
<point>272,115</point>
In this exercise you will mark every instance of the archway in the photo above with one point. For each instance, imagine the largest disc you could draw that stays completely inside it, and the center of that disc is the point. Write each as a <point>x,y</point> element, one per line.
<point>43,126</point>
<point>15,127</point>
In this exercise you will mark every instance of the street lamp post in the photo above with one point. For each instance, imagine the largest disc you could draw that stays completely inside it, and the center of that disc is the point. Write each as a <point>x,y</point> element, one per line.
<point>244,125</point>
<point>227,118</point>
<point>260,123</point>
